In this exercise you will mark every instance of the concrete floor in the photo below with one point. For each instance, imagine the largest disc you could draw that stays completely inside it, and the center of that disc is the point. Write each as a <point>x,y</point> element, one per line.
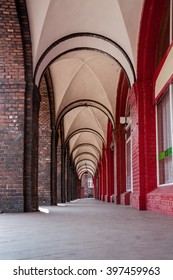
<point>86,229</point>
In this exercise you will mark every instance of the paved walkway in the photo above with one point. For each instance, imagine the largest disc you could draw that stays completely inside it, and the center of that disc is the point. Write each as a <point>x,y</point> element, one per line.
<point>86,229</point>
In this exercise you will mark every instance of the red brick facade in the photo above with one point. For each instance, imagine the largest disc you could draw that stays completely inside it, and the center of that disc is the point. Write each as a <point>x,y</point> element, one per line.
<point>145,194</point>
<point>161,201</point>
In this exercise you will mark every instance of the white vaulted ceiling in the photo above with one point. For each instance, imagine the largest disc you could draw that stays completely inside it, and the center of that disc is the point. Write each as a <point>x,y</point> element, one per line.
<point>86,45</point>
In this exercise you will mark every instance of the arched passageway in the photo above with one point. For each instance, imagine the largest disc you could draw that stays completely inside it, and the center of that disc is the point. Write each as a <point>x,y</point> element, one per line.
<point>86,88</point>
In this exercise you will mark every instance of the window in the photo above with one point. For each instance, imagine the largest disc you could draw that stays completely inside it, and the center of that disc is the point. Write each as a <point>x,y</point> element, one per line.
<point>128,150</point>
<point>90,183</point>
<point>165,116</point>
<point>165,138</point>
<point>166,31</point>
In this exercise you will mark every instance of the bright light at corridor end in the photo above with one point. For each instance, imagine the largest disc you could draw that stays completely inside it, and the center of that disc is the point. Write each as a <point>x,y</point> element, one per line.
<point>44,210</point>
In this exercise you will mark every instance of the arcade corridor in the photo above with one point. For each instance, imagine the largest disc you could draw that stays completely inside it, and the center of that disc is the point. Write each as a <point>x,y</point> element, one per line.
<point>86,101</point>
<point>86,229</point>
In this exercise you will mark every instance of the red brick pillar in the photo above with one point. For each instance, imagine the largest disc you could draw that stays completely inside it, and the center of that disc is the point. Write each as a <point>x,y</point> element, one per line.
<point>109,165</point>
<point>119,163</point>
<point>111,170</point>
<point>103,176</point>
<point>99,181</point>
<point>96,185</point>
<point>106,174</point>
<point>73,186</point>
<point>143,142</point>
<point>79,188</point>
<point>76,186</point>
<point>110,174</point>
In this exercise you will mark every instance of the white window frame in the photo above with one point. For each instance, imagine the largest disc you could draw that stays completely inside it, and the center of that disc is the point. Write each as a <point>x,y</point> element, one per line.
<point>170,92</point>
<point>128,123</point>
<point>127,140</point>
<point>171,104</point>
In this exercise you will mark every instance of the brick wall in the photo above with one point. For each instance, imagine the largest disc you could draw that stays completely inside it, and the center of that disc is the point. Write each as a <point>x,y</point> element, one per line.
<point>161,200</point>
<point>59,172</point>
<point>68,175</point>
<point>145,180</point>
<point>66,170</point>
<point>32,101</point>
<point>125,198</point>
<point>104,174</point>
<point>119,140</point>
<point>44,193</point>
<point>143,143</point>
<point>119,158</point>
<point>19,131</point>
<point>12,90</point>
<point>110,163</point>
<point>143,133</point>
<point>135,149</point>
<point>33,191</point>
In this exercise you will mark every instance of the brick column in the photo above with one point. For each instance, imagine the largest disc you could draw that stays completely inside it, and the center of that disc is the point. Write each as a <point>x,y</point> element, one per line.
<point>103,177</point>
<point>59,157</point>
<point>54,139</point>
<point>73,183</point>
<point>76,186</point>
<point>68,180</point>
<point>119,162</point>
<point>109,163</point>
<point>31,154</point>
<point>99,181</point>
<point>66,174</point>
<point>96,185</point>
<point>106,176</point>
<point>44,168</point>
<point>32,102</point>
<point>35,140</point>
<point>110,173</point>
<point>68,177</point>
<point>79,188</point>
<point>107,192</point>
<point>143,143</point>
<point>63,161</point>
<point>12,92</point>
